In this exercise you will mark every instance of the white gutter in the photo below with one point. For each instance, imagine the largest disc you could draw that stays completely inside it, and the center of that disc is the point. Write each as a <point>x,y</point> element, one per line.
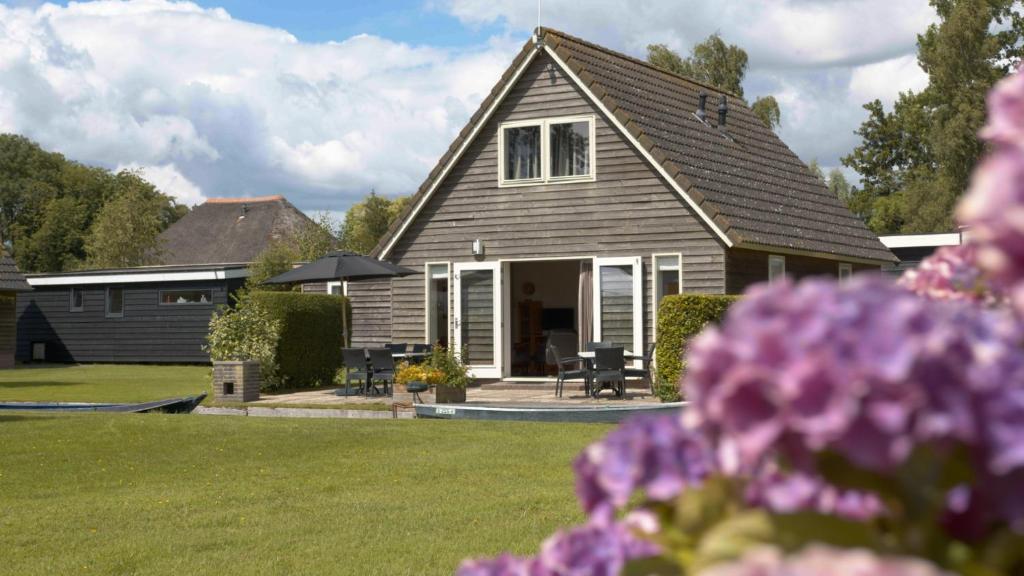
<point>921,240</point>
<point>127,278</point>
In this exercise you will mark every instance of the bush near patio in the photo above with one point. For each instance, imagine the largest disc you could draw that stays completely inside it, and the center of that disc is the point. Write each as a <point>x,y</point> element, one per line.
<point>308,348</point>
<point>681,317</point>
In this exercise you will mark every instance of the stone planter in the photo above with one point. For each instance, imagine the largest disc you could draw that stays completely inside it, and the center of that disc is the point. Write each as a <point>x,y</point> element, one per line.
<point>450,394</point>
<point>236,380</point>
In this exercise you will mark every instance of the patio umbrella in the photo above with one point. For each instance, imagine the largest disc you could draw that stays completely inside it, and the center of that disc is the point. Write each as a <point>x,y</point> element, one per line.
<point>341,265</point>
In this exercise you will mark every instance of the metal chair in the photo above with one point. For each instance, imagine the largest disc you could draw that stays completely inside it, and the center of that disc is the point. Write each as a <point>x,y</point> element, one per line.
<point>645,371</point>
<point>382,369</point>
<point>398,348</point>
<point>591,346</point>
<point>356,369</point>
<point>609,367</point>
<point>420,353</point>
<point>569,368</point>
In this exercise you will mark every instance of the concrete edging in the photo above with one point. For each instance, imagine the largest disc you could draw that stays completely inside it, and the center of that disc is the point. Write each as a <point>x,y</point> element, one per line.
<point>300,413</point>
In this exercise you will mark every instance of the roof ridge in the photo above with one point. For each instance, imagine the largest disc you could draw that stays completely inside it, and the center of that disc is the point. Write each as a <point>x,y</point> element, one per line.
<point>246,200</point>
<point>641,62</point>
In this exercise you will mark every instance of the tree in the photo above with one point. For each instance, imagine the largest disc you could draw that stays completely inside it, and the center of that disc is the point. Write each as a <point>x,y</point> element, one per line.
<point>366,222</point>
<point>317,239</point>
<point>126,228</point>
<point>839,185</point>
<point>718,64</point>
<point>277,258</point>
<point>916,160</point>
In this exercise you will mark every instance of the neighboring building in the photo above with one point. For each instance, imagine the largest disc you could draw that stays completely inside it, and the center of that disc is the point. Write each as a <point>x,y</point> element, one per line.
<point>587,186</point>
<point>12,283</point>
<point>154,313</point>
<point>912,248</point>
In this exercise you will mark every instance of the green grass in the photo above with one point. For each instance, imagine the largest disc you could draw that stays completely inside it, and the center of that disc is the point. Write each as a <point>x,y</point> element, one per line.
<point>102,383</point>
<point>167,494</point>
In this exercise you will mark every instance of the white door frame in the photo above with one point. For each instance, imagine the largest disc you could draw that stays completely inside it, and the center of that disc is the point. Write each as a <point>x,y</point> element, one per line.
<point>493,370</point>
<point>638,297</point>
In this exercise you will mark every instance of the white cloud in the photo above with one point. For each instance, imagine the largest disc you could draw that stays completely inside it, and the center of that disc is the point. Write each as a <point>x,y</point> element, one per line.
<point>226,107</point>
<point>170,181</point>
<point>887,80</point>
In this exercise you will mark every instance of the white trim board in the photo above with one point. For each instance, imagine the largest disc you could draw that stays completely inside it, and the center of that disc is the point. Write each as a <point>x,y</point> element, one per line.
<point>921,240</point>
<point>122,278</point>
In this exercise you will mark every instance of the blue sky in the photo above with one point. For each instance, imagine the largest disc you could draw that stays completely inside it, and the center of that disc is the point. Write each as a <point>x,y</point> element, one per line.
<point>323,101</point>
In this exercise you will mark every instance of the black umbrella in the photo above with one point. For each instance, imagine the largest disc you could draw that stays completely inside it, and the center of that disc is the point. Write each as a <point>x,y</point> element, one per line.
<point>341,265</point>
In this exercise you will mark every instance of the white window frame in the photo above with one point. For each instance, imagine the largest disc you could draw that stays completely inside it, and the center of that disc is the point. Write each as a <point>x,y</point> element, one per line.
<point>339,283</point>
<point>495,369</point>
<point>545,147</point>
<point>638,299</point>
<point>656,294</point>
<point>71,299</point>
<point>776,258</point>
<point>106,302</point>
<point>845,271</point>
<point>428,299</point>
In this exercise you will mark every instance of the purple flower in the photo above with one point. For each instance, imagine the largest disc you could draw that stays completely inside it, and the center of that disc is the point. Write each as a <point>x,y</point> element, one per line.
<point>953,273</point>
<point>786,493</point>
<point>819,560</point>
<point>591,549</point>
<point>657,455</point>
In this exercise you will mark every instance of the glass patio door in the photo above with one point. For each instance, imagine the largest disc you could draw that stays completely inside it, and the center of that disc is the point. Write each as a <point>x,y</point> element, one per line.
<point>478,316</point>
<point>618,302</point>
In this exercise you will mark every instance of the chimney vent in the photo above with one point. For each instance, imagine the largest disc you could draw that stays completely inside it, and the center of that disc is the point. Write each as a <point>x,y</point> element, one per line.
<point>245,208</point>
<point>702,104</point>
<point>723,110</point>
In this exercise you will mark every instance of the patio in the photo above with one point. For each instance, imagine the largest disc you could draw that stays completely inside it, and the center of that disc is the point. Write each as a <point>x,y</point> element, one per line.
<point>485,395</point>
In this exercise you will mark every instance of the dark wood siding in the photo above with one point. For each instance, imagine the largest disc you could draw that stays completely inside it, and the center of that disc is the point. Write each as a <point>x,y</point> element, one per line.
<point>148,331</point>
<point>371,312</point>
<point>8,322</point>
<point>746,267</point>
<point>628,211</point>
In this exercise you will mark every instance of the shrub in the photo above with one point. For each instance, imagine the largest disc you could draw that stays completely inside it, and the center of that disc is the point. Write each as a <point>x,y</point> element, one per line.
<point>308,349</point>
<point>456,373</point>
<point>245,332</point>
<point>680,318</point>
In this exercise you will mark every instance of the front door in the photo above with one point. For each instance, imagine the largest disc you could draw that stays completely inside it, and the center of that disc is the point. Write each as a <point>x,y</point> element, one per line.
<point>478,316</point>
<point>618,302</point>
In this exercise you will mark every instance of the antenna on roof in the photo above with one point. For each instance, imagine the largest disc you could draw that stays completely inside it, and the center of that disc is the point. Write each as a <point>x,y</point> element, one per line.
<point>538,13</point>
<point>537,40</point>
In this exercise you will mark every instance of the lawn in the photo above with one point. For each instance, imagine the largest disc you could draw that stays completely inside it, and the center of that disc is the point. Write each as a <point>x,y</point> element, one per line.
<point>177,494</point>
<point>102,383</point>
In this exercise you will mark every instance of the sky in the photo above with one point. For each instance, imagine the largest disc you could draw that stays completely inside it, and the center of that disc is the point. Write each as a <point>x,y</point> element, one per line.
<point>323,101</point>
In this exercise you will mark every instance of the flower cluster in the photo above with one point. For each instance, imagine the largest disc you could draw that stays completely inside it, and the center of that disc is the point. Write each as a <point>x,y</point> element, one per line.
<point>818,560</point>
<point>994,208</point>
<point>952,273</point>
<point>591,549</point>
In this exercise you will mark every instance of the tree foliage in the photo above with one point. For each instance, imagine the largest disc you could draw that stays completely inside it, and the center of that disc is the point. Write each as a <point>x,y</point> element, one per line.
<point>125,229</point>
<point>915,160</point>
<point>367,221</point>
<point>49,205</point>
<point>718,64</point>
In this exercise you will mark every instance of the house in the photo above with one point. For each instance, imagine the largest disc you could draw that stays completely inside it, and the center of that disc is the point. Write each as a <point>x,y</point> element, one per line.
<point>911,249</point>
<point>587,186</point>
<point>12,283</point>
<point>154,313</point>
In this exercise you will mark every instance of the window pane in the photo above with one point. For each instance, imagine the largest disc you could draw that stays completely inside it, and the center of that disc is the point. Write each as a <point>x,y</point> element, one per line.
<point>336,289</point>
<point>668,283</point>
<point>522,153</point>
<point>77,299</point>
<point>570,149</point>
<point>776,268</point>
<point>115,301</point>
<point>186,296</point>
<point>478,316</point>
<point>617,305</point>
<point>437,304</point>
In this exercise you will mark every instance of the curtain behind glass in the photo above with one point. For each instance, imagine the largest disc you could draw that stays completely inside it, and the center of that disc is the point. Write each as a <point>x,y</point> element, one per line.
<point>522,153</point>
<point>570,149</point>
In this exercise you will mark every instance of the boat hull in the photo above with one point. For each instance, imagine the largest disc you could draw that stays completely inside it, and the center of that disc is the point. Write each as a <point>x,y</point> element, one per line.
<point>171,405</point>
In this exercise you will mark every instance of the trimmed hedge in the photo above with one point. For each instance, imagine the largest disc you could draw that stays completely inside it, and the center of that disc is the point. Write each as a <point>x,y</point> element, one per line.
<point>309,345</point>
<point>680,318</point>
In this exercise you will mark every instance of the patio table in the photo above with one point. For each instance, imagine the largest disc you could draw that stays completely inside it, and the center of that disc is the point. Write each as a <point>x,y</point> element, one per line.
<point>590,355</point>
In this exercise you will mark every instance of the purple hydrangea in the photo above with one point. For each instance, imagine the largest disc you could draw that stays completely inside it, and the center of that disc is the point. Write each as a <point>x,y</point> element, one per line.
<point>591,549</point>
<point>786,493</point>
<point>952,273</point>
<point>819,560</point>
<point>866,369</point>
<point>656,455</point>
<point>994,208</point>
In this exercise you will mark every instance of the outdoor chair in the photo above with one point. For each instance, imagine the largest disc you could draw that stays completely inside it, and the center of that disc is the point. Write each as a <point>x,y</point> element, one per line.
<point>609,369</point>
<point>645,371</point>
<point>356,370</point>
<point>570,368</point>
<point>591,346</point>
<point>382,369</point>
<point>419,353</point>
<point>397,348</point>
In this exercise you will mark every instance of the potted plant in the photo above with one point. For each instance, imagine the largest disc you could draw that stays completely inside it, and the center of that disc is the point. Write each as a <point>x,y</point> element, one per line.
<point>455,375</point>
<point>409,373</point>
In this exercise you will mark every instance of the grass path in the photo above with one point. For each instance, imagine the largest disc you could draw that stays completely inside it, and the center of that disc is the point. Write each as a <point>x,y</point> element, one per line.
<point>167,494</point>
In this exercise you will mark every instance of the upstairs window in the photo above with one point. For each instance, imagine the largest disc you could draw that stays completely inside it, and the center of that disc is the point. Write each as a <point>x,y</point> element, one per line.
<point>549,150</point>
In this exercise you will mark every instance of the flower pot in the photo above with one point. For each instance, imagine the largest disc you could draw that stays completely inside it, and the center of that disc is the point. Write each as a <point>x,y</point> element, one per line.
<point>449,394</point>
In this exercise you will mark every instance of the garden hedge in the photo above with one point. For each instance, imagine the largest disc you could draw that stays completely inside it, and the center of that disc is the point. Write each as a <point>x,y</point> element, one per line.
<point>309,345</point>
<point>680,318</point>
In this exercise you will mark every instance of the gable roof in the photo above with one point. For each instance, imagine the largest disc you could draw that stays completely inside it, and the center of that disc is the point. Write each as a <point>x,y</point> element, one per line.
<point>11,279</point>
<point>747,186</point>
<point>230,230</point>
